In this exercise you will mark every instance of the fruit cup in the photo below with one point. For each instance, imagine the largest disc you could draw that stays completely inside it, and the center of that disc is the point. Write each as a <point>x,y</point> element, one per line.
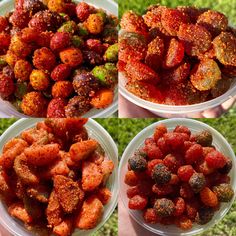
<point>96,131</point>
<point>8,110</point>
<point>195,126</point>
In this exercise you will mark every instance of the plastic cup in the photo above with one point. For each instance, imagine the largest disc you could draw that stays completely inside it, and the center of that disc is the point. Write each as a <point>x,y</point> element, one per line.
<point>219,142</point>
<point>169,111</point>
<point>8,110</point>
<point>96,131</point>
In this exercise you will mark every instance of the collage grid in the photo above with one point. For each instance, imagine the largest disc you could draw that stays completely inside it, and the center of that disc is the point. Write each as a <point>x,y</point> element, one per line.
<point>117,117</point>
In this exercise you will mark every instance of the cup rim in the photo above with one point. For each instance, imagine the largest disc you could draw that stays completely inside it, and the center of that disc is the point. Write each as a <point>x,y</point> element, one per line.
<point>124,159</point>
<point>173,109</point>
<point>102,131</point>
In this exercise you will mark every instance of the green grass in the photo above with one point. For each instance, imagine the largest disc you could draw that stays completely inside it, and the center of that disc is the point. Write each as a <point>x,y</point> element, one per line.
<point>111,227</point>
<point>226,125</point>
<point>225,6</point>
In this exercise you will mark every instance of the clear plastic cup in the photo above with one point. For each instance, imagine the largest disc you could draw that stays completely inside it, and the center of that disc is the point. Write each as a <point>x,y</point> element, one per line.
<point>96,131</point>
<point>218,141</point>
<point>8,110</point>
<point>169,111</point>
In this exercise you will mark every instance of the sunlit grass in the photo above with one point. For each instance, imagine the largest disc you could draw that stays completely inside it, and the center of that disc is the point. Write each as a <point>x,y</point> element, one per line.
<point>225,6</point>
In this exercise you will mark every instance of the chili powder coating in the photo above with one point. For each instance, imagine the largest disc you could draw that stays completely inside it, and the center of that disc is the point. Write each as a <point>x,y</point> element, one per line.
<point>177,177</point>
<point>53,177</point>
<point>45,45</point>
<point>177,56</point>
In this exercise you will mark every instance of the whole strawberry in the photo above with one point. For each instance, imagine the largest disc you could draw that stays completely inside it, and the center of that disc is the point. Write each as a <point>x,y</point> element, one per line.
<point>56,108</point>
<point>197,182</point>
<point>137,162</point>
<point>204,138</point>
<point>7,86</point>
<point>224,192</point>
<point>215,159</point>
<point>161,174</point>
<point>164,207</point>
